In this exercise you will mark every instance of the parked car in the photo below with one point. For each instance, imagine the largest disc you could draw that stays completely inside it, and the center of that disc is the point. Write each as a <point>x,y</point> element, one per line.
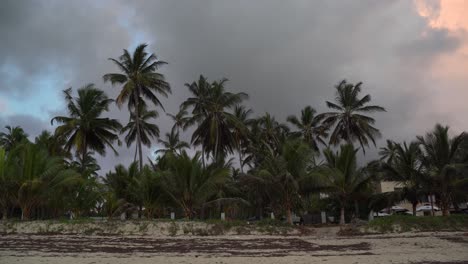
<point>426,208</point>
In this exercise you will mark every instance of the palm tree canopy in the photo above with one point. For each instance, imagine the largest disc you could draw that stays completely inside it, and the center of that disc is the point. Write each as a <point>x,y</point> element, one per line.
<point>172,143</point>
<point>189,183</point>
<point>181,119</point>
<point>12,137</point>
<point>210,109</point>
<point>351,123</point>
<point>84,128</point>
<point>309,127</point>
<point>340,174</point>
<point>147,130</point>
<point>139,77</point>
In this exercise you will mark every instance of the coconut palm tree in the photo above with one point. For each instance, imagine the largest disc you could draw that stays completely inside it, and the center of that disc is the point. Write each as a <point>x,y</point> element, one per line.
<point>40,175</point>
<point>12,137</point>
<point>140,125</point>
<point>404,166</point>
<point>282,174</point>
<point>181,119</point>
<point>190,184</point>
<point>211,105</point>
<point>389,152</point>
<point>272,132</point>
<point>8,182</point>
<point>341,178</point>
<point>85,129</point>
<point>172,144</point>
<point>310,129</point>
<point>350,122</point>
<point>241,132</point>
<point>444,159</point>
<point>53,143</point>
<point>139,80</point>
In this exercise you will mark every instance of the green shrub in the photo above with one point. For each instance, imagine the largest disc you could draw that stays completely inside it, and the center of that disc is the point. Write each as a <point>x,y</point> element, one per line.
<point>402,223</point>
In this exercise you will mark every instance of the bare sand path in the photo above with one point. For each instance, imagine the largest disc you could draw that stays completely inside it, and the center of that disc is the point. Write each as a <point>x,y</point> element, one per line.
<point>79,249</point>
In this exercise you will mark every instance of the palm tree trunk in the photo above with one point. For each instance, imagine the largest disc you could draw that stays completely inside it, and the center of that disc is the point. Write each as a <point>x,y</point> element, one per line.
<point>414,208</point>
<point>356,208</point>
<point>136,151</point>
<point>240,161</point>
<point>289,215</point>
<point>216,148</point>
<point>432,204</point>
<point>445,205</point>
<point>5,214</point>
<point>137,123</point>
<point>348,133</point>
<point>342,215</point>
<point>83,155</point>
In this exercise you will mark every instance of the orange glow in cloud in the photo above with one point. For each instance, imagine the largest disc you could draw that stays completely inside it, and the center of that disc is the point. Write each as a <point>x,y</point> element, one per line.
<point>448,14</point>
<point>448,75</point>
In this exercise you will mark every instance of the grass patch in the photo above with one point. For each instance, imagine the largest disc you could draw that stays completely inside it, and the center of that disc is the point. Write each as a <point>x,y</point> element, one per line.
<point>402,223</point>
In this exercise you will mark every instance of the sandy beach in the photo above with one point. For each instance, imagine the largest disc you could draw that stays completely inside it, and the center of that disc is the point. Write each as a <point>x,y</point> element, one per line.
<point>449,247</point>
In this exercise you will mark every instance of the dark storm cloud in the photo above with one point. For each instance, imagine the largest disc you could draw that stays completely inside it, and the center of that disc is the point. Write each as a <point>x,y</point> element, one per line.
<point>290,54</point>
<point>285,54</point>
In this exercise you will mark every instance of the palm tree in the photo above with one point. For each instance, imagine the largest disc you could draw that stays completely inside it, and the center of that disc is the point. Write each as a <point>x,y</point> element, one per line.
<point>351,122</point>
<point>282,173</point>
<point>190,184</point>
<point>309,127</point>
<point>140,80</point>
<point>84,129</point>
<point>210,109</point>
<point>181,119</point>
<point>40,175</point>
<point>404,166</point>
<point>444,159</point>
<point>53,143</point>
<point>140,125</point>
<point>389,152</point>
<point>8,181</point>
<point>241,132</point>
<point>12,137</point>
<point>172,144</point>
<point>341,178</point>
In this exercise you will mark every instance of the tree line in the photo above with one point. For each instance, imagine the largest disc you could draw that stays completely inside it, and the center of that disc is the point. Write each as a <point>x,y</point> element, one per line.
<point>243,165</point>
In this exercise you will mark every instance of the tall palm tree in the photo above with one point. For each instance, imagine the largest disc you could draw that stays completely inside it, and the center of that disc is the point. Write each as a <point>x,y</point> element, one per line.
<point>241,132</point>
<point>351,122</point>
<point>272,131</point>
<point>140,125</point>
<point>190,184</point>
<point>309,127</point>
<point>444,160</point>
<point>211,105</point>
<point>84,129</point>
<point>181,119</point>
<point>12,137</point>
<point>172,144</point>
<point>341,177</point>
<point>139,80</point>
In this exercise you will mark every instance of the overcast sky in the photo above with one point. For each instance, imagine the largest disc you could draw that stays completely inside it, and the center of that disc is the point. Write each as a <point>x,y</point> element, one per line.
<point>411,56</point>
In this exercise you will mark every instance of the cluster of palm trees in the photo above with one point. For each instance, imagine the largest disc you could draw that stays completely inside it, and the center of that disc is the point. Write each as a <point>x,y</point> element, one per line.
<point>242,166</point>
<point>434,166</point>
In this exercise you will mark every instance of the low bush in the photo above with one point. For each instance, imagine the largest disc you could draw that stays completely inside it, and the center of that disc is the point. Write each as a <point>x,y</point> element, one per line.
<point>402,223</point>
